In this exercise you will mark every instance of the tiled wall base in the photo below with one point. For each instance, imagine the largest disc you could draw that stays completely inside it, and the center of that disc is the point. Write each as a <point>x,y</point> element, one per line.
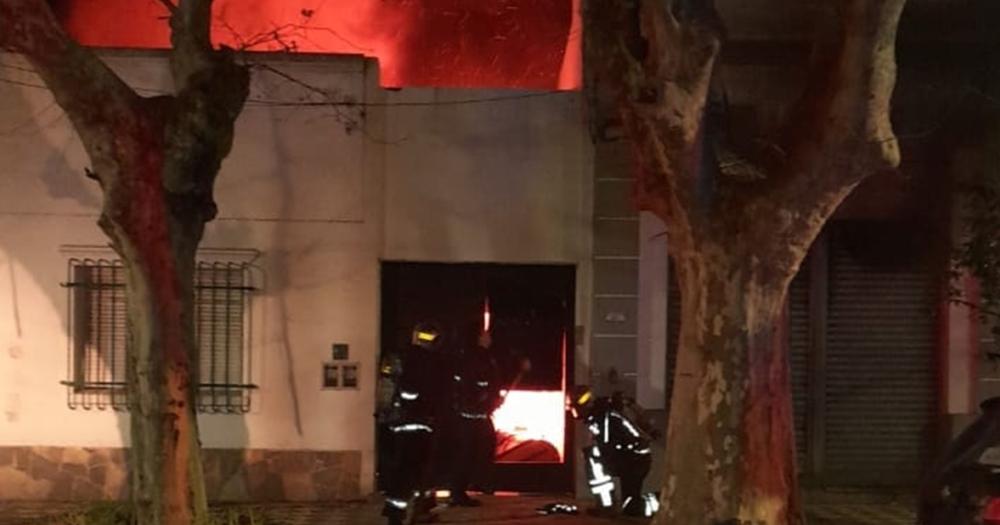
<point>79,474</point>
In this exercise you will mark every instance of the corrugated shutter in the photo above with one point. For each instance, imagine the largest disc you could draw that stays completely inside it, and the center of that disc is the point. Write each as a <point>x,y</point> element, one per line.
<point>880,380</point>
<point>798,346</point>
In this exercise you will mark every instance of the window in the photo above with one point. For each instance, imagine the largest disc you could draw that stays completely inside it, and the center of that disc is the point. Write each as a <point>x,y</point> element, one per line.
<point>99,336</point>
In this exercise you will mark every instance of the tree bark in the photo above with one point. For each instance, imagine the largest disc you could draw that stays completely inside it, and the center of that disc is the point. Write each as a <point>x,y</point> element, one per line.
<point>167,483</point>
<point>156,206</point>
<point>731,397</point>
<point>156,232</point>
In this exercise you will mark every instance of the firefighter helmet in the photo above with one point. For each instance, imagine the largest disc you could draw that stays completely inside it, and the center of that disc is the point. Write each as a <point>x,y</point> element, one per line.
<point>581,400</point>
<point>426,335</point>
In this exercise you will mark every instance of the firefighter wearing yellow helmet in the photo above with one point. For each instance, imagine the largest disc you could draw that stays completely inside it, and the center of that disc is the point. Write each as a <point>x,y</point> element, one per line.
<point>409,394</point>
<point>621,448</point>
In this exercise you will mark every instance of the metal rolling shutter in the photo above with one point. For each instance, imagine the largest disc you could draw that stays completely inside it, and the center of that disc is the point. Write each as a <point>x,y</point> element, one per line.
<point>798,347</point>
<point>880,379</point>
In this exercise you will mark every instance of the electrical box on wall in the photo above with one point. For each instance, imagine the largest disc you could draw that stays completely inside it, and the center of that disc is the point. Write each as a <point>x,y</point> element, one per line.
<point>331,375</point>
<point>340,375</point>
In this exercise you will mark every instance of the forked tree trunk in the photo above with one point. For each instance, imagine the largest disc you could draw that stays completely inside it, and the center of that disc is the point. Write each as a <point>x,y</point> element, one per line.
<point>732,397</point>
<point>158,246</point>
<point>740,219</point>
<point>156,160</point>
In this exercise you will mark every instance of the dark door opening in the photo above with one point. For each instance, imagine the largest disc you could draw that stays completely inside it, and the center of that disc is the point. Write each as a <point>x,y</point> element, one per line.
<point>531,313</point>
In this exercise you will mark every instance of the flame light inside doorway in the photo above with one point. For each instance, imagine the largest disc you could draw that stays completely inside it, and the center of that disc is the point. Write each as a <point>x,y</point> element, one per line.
<point>531,424</point>
<point>486,316</point>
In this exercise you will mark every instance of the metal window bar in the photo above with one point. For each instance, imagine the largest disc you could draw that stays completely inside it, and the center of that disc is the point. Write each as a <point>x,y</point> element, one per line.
<point>99,336</point>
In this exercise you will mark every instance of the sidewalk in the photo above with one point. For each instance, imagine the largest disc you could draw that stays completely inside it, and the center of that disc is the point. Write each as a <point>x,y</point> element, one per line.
<point>857,507</point>
<point>496,510</point>
<point>844,509</point>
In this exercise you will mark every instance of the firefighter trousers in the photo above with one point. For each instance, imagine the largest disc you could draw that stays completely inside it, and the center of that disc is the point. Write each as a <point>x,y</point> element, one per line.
<point>602,465</point>
<point>474,445</point>
<point>406,468</point>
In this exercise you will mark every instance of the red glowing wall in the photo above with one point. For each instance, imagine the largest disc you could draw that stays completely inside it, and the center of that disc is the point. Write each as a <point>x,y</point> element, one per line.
<point>450,43</point>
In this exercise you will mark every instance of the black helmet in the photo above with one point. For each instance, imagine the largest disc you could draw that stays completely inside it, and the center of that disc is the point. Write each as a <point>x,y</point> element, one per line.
<point>426,335</point>
<point>580,401</point>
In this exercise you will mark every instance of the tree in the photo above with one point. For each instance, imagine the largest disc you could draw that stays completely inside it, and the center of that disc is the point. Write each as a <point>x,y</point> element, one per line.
<point>739,221</point>
<point>155,160</point>
<point>979,251</point>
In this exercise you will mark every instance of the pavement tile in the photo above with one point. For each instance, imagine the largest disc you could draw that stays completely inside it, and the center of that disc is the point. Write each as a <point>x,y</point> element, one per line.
<point>497,510</point>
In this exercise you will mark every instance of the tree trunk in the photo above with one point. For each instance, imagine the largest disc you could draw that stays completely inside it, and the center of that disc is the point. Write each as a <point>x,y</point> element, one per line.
<point>157,240</point>
<point>732,396</point>
<point>156,160</point>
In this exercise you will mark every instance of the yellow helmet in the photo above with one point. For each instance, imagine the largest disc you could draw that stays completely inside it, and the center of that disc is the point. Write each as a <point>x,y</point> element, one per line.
<point>581,399</point>
<point>425,335</point>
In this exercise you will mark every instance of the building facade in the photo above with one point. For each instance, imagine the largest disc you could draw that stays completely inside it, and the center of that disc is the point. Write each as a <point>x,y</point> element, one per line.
<point>317,199</point>
<point>312,199</point>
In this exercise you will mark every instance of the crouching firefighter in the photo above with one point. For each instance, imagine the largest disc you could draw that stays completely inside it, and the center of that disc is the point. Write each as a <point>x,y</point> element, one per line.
<point>621,449</point>
<point>411,384</point>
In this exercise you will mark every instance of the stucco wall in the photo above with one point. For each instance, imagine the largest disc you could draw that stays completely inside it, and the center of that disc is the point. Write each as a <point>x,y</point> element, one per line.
<point>486,176</point>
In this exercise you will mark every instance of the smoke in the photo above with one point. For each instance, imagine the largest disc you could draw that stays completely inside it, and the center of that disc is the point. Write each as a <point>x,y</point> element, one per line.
<point>530,44</point>
<point>472,43</point>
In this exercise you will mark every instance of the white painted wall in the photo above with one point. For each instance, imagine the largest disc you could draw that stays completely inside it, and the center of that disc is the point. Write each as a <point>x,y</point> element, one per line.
<point>500,180</point>
<point>504,181</point>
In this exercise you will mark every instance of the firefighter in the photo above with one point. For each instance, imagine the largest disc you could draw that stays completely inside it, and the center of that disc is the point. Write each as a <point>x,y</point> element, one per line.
<point>475,395</point>
<point>408,399</point>
<point>622,436</point>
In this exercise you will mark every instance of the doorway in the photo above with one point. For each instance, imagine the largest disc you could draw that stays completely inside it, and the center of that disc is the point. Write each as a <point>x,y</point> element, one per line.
<point>530,309</point>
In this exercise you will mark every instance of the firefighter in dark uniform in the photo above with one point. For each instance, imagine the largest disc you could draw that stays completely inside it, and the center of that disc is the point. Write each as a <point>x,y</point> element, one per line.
<point>409,394</point>
<point>622,435</point>
<point>475,395</point>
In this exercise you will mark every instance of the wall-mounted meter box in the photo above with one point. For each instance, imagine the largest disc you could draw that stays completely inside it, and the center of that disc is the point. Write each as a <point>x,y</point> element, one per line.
<point>341,352</point>
<point>340,376</point>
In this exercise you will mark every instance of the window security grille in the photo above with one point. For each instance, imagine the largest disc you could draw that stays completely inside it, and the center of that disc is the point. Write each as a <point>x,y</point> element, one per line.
<point>99,335</point>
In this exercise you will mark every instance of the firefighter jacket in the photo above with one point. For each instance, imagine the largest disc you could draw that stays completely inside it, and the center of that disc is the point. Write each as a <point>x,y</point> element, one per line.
<point>416,378</point>
<point>476,384</point>
<point>619,426</point>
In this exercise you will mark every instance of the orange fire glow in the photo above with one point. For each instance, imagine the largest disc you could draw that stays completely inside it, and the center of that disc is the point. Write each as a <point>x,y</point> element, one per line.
<point>486,316</point>
<point>449,43</point>
<point>531,424</point>
<point>531,417</point>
